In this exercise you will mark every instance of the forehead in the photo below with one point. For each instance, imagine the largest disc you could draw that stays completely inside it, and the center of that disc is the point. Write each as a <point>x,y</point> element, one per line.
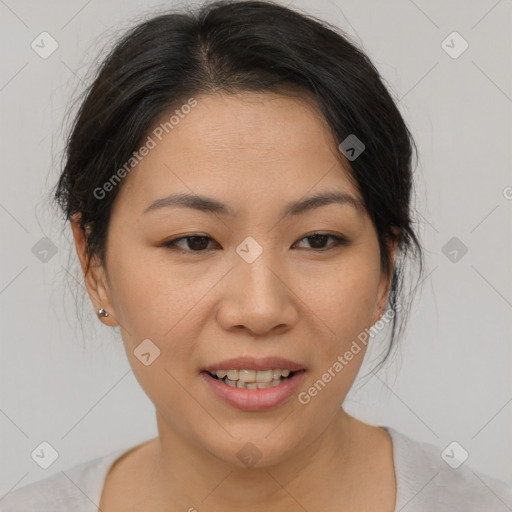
<point>241,147</point>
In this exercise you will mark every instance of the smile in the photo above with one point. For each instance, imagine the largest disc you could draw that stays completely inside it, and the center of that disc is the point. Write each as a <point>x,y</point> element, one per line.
<point>249,391</point>
<point>252,379</point>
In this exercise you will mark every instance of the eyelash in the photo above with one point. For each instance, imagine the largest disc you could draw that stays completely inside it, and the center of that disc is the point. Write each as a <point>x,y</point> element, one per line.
<point>338,241</point>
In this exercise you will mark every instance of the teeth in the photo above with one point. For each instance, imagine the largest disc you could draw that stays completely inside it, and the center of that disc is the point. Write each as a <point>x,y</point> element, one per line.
<point>247,375</point>
<point>252,375</point>
<point>264,385</point>
<point>264,376</point>
<point>252,379</point>
<point>232,374</point>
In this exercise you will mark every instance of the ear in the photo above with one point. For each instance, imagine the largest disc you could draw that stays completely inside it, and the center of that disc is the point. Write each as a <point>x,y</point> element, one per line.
<point>94,274</point>
<point>385,281</point>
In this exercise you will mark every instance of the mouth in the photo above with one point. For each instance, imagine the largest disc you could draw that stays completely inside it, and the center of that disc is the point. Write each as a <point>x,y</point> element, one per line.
<point>253,379</point>
<point>253,385</point>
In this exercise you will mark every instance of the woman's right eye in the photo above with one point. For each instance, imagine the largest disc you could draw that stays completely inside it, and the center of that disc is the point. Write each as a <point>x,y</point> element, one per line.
<point>195,243</point>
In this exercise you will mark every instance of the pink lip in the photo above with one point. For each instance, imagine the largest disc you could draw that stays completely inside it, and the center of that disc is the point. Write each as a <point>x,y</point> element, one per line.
<point>250,363</point>
<point>254,399</point>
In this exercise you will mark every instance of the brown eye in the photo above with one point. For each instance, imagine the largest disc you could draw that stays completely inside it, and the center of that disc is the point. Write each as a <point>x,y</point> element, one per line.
<point>193,243</point>
<point>317,241</point>
<point>199,243</point>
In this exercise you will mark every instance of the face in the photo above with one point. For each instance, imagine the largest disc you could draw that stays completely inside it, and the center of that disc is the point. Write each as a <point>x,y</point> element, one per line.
<point>256,279</point>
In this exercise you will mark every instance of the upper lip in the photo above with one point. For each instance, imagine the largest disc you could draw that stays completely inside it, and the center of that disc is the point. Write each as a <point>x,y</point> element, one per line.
<point>251,363</point>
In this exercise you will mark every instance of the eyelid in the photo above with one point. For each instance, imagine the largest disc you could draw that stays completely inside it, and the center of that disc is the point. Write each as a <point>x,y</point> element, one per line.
<point>172,243</point>
<point>340,241</point>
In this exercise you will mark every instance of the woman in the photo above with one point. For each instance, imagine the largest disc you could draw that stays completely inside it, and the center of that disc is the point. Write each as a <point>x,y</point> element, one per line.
<point>238,184</point>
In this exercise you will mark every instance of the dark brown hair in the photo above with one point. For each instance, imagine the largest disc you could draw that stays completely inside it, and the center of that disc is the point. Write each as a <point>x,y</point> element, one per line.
<point>235,46</point>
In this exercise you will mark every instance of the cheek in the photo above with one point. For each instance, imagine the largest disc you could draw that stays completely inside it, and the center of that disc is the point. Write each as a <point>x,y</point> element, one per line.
<point>342,301</point>
<point>150,295</point>
<point>343,298</point>
<point>156,301</point>
<point>343,309</point>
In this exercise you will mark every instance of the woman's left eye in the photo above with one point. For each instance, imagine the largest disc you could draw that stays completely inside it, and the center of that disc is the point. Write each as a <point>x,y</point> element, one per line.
<point>320,238</point>
<point>199,243</point>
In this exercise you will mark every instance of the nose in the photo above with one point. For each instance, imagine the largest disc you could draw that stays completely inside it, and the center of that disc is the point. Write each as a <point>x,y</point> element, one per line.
<point>259,297</point>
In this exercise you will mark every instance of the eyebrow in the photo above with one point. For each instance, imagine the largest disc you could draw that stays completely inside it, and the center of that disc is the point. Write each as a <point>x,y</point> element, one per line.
<point>210,205</point>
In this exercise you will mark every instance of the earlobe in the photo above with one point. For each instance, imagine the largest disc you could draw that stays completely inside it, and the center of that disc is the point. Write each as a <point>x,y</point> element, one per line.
<point>94,275</point>
<point>97,286</point>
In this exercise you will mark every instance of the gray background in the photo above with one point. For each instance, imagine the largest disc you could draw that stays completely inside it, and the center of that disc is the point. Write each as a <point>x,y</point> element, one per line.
<point>67,381</point>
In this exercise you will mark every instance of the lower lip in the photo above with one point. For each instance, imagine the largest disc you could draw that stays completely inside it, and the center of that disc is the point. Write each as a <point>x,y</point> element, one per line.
<point>254,399</point>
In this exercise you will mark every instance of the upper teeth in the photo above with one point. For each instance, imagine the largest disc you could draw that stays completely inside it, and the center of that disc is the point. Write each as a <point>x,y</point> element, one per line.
<point>252,375</point>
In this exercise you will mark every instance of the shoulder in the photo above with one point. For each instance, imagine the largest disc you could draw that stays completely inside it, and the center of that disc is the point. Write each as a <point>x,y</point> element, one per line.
<point>78,489</point>
<point>426,482</point>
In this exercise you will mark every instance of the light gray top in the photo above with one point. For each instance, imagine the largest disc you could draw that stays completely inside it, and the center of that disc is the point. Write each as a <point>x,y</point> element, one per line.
<point>425,483</point>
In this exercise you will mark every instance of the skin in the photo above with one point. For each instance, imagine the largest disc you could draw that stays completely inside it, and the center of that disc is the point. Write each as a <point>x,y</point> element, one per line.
<point>255,152</point>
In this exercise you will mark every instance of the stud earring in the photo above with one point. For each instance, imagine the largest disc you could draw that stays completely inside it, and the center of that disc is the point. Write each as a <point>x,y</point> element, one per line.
<point>102,312</point>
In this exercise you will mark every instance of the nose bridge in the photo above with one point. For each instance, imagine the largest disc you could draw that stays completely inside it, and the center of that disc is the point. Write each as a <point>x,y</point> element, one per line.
<point>257,271</point>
